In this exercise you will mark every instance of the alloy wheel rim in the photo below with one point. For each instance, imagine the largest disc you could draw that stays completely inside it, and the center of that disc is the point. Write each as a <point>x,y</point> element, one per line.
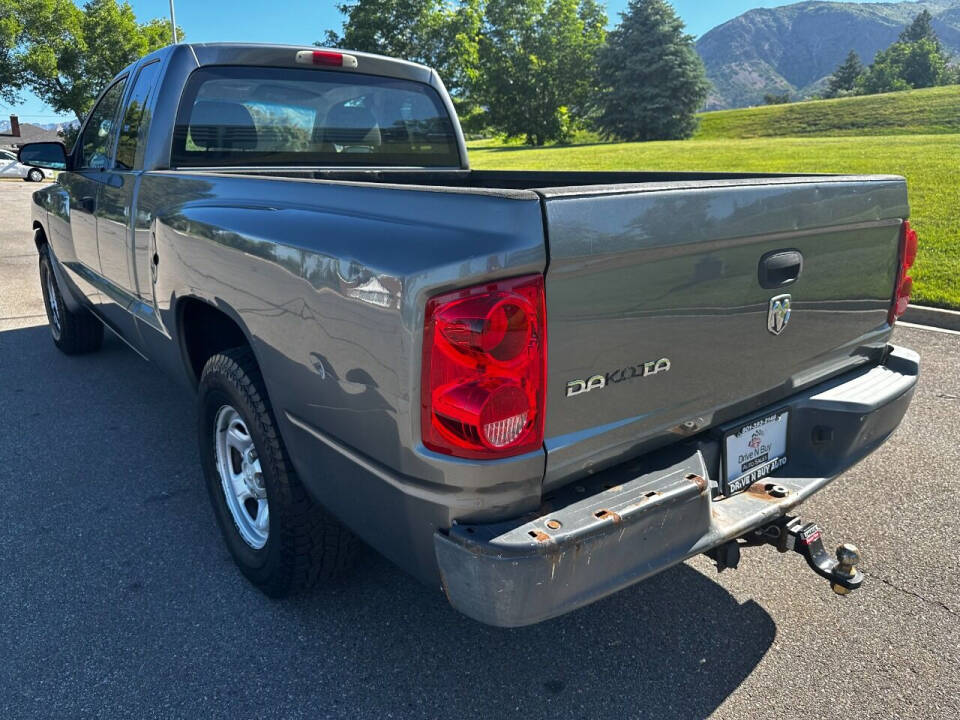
<point>241,477</point>
<point>52,302</point>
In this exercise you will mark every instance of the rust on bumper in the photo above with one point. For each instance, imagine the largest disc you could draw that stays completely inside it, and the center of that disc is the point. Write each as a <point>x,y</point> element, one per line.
<point>632,521</point>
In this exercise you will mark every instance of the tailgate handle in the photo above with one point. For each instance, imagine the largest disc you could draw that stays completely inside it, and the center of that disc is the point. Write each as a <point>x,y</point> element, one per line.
<point>780,268</point>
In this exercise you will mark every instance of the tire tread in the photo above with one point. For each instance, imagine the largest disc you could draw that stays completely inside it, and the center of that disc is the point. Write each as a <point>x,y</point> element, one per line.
<point>314,545</point>
<point>80,332</point>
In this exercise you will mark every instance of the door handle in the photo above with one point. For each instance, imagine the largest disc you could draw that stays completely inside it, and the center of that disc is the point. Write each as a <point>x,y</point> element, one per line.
<point>780,268</point>
<point>88,203</point>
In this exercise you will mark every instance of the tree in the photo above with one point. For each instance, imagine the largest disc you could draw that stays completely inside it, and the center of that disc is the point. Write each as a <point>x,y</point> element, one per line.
<point>916,60</point>
<point>536,59</point>
<point>905,66</point>
<point>69,54</point>
<point>11,32</point>
<point>432,32</point>
<point>920,29</point>
<point>774,99</point>
<point>651,79</point>
<point>844,80</point>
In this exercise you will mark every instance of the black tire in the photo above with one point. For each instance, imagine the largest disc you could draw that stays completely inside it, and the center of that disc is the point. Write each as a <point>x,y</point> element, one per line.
<point>304,544</point>
<point>34,175</point>
<point>74,333</point>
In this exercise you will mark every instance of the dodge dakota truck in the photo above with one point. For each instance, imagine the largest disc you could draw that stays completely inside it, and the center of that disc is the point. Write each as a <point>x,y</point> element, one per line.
<point>529,389</point>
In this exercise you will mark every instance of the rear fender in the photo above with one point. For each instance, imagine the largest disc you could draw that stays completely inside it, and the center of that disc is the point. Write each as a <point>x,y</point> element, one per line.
<point>181,302</point>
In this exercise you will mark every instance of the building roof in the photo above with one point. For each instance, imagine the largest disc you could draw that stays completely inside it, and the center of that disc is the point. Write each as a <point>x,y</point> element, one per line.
<point>28,133</point>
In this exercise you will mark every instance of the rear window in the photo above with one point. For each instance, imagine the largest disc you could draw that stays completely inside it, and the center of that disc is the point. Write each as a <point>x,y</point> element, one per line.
<point>233,116</point>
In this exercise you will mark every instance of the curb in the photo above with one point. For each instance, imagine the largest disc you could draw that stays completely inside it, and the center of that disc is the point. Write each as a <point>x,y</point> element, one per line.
<point>934,317</point>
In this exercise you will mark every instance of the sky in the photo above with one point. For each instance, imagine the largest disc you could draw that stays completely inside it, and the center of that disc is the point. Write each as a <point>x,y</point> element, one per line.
<point>296,22</point>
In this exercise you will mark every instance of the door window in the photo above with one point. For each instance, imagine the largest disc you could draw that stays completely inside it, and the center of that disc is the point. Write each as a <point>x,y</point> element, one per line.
<point>136,119</point>
<point>95,142</point>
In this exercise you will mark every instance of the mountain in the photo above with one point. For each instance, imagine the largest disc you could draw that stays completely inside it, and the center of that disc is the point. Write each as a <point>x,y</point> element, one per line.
<point>5,125</point>
<point>795,48</point>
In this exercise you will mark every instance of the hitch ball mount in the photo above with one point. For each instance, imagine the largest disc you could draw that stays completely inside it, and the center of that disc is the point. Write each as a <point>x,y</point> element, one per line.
<point>792,534</point>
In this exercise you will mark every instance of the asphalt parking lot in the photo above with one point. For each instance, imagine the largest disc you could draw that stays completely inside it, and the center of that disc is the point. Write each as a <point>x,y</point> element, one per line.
<point>118,598</point>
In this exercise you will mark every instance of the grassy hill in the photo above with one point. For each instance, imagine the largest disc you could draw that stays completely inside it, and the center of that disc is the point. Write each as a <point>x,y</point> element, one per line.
<point>931,164</point>
<point>929,111</point>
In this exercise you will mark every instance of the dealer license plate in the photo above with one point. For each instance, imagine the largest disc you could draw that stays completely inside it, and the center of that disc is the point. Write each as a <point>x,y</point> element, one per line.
<point>755,450</point>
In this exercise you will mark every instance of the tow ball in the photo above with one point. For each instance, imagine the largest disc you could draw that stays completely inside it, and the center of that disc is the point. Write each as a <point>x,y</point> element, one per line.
<point>792,534</point>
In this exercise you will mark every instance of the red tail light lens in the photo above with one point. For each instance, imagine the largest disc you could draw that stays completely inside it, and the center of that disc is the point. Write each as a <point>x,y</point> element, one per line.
<point>484,369</point>
<point>908,256</point>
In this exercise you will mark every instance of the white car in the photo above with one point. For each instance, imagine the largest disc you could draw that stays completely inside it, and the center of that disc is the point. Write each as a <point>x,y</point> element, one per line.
<point>11,167</point>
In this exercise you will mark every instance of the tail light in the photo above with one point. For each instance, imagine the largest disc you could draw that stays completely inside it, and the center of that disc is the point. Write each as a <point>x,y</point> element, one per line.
<point>484,369</point>
<point>908,256</point>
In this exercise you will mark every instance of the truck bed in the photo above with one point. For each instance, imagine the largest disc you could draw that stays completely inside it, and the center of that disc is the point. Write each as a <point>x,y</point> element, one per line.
<point>506,179</point>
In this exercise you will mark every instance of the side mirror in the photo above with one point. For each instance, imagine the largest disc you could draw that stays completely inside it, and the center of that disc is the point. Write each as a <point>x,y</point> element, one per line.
<point>50,155</point>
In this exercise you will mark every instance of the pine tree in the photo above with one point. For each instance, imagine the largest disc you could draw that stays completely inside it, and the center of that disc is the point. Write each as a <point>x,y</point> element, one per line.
<point>651,80</point>
<point>844,79</point>
<point>920,29</point>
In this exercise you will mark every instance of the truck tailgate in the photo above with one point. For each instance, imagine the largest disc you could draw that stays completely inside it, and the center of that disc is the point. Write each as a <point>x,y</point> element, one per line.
<point>655,288</point>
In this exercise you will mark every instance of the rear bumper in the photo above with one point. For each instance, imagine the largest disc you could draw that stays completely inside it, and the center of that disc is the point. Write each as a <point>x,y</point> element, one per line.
<point>596,537</point>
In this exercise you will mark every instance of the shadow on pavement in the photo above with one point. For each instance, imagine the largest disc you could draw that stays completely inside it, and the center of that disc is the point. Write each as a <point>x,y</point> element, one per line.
<point>121,599</point>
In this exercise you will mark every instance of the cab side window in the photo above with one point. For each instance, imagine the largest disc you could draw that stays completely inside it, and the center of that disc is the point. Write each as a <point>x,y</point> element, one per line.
<point>95,142</point>
<point>136,119</point>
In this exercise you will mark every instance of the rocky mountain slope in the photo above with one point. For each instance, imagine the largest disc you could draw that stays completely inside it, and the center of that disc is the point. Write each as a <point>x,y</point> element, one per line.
<point>796,47</point>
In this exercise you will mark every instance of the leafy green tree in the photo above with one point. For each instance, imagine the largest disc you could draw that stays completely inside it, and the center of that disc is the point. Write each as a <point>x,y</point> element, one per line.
<point>916,60</point>
<point>844,80</point>
<point>11,31</point>
<point>536,63</point>
<point>651,79</point>
<point>925,64</point>
<point>431,32</point>
<point>69,54</point>
<point>775,99</point>
<point>903,66</point>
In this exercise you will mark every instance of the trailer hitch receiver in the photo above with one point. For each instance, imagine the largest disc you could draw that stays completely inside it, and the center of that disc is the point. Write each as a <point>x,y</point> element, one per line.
<point>792,534</point>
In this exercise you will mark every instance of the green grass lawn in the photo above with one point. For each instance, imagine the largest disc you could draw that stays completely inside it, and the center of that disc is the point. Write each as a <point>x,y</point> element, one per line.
<point>915,112</point>
<point>931,164</point>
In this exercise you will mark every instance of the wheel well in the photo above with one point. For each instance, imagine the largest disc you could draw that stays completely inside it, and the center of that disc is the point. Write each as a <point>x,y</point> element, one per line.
<point>205,331</point>
<point>39,236</point>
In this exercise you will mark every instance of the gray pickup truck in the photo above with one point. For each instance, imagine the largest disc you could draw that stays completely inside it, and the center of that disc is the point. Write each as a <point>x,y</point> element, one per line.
<point>532,389</point>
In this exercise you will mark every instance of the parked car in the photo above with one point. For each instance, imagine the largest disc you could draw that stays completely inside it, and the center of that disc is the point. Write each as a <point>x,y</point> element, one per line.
<point>11,167</point>
<point>531,389</point>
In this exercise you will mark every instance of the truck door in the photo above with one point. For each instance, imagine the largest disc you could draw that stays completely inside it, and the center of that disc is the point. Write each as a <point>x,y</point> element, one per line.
<point>115,224</point>
<point>83,185</point>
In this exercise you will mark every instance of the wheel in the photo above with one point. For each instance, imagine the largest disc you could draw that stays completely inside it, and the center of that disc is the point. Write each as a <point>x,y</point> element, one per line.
<point>34,175</point>
<point>74,333</point>
<point>281,540</point>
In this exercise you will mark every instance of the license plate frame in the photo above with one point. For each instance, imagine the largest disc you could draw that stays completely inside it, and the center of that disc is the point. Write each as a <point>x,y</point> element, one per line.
<point>773,426</point>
